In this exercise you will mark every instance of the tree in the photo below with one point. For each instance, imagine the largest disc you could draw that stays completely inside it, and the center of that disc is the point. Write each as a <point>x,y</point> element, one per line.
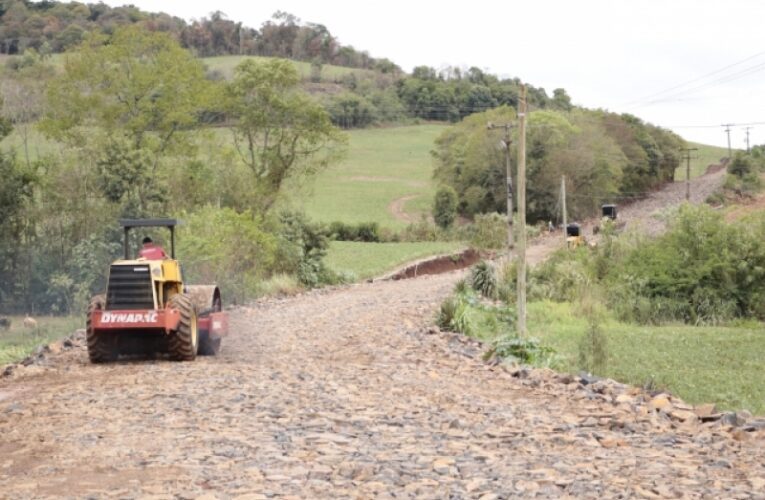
<point>561,100</point>
<point>445,206</point>
<point>279,131</point>
<point>136,91</point>
<point>23,91</point>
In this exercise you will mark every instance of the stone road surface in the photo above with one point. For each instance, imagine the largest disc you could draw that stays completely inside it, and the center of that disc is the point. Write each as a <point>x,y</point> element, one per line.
<point>346,394</point>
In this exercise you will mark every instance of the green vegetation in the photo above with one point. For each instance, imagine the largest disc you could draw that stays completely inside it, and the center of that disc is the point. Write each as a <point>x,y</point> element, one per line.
<point>18,341</point>
<point>445,207</point>
<point>720,279</point>
<point>136,143</point>
<point>369,260</point>
<point>53,26</point>
<point>627,310</point>
<point>225,65</point>
<point>722,365</point>
<point>603,156</point>
<point>382,166</point>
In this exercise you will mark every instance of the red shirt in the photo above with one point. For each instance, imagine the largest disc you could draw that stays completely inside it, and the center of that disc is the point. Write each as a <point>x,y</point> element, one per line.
<point>151,251</point>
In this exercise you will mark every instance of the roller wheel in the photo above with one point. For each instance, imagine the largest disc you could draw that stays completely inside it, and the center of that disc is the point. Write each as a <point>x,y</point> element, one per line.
<point>102,346</point>
<point>208,346</point>
<point>183,343</point>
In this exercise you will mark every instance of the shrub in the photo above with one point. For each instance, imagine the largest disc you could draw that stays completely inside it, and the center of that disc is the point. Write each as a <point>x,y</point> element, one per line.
<point>489,231</point>
<point>454,315</point>
<point>593,354</point>
<point>483,279</point>
<point>302,246</point>
<point>528,351</point>
<point>445,206</point>
<point>363,231</point>
<point>741,165</point>
<point>424,230</point>
<point>232,249</point>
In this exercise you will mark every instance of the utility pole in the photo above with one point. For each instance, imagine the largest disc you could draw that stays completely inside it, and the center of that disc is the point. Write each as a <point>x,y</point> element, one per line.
<point>727,131</point>
<point>522,111</point>
<point>687,158</point>
<point>747,138</point>
<point>563,205</point>
<point>509,181</point>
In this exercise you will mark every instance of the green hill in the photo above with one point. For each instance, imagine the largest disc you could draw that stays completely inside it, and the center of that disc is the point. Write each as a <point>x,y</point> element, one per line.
<point>700,160</point>
<point>383,165</point>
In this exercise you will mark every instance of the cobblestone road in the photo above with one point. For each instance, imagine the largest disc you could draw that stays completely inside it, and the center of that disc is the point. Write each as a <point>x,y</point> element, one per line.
<point>345,393</point>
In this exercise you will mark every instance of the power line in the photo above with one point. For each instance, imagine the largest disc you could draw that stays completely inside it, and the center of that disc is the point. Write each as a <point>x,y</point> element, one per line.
<point>725,79</point>
<point>694,80</point>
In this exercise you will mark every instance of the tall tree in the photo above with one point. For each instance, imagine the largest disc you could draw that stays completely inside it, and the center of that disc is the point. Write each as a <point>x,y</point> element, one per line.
<point>279,131</point>
<point>135,95</point>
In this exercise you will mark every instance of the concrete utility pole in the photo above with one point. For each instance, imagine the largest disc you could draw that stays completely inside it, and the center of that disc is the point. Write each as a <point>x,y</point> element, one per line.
<point>509,181</point>
<point>563,205</point>
<point>522,111</point>
<point>687,158</point>
<point>747,138</point>
<point>727,131</point>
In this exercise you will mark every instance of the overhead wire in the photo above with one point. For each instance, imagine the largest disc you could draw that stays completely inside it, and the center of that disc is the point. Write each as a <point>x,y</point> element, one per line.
<point>694,80</point>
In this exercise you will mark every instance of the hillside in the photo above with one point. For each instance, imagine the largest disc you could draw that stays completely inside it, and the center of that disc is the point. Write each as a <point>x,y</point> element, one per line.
<point>383,166</point>
<point>701,160</point>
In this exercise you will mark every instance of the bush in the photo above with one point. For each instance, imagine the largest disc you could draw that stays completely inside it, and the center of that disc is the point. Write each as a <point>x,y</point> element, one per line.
<point>445,206</point>
<point>593,353</point>
<point>232,249</point>
<point>523,351</point>
<point>454,315</point>
<point>424,230</point>
<point>483,279</point>
<point>302,247</point>
<point>489,231</point>
<point>364,231</point>
<point>741,165</point>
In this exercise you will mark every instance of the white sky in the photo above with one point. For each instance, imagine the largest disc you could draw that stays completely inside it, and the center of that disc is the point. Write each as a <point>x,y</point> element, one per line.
<point>605,53</point>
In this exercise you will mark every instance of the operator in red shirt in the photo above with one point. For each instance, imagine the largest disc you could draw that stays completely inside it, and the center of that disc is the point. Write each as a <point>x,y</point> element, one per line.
<point>151,251</point>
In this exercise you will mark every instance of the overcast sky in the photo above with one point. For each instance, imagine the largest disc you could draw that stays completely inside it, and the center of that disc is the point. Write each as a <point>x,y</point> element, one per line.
<point>612,54</point>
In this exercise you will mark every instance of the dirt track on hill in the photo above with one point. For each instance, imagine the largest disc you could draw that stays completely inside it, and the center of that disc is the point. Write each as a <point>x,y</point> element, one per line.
<point>349,393</point>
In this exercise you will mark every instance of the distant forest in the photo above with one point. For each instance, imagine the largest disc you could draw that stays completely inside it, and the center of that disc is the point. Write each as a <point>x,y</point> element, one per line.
<point>56,26</point>
<point>387,95</point>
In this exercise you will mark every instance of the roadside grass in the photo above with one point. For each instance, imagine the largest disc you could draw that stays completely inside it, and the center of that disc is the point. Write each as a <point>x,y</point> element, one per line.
<point>701,159</point>
<point>382,165</point>
<point>721,365</point>
<point>329,73</point>
<point>370,260</point>
<point>18,342</point>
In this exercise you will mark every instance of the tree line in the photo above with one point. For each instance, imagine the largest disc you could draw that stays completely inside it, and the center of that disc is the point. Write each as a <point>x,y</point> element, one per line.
<point>605,157</point>
<point>52,27</point>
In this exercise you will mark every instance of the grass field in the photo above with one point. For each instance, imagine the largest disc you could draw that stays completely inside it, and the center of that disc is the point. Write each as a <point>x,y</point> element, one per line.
<point>382,165</point>
<point>18,342</point>
<point>370,260</point>
<point>329,73</point>
<point>701,159</point>
<point>721,365</point>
